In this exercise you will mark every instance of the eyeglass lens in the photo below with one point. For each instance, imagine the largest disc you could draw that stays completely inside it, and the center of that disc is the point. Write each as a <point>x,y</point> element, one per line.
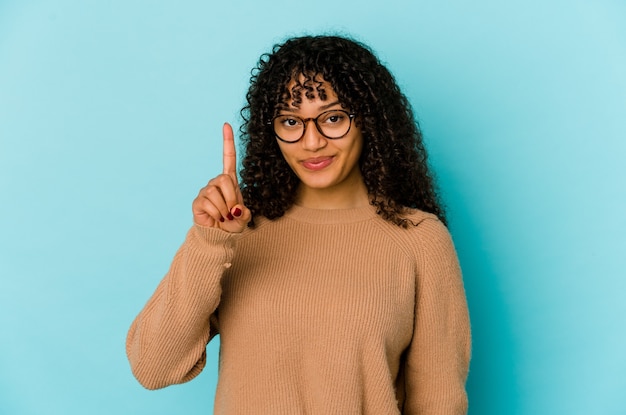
<point>331,124</point>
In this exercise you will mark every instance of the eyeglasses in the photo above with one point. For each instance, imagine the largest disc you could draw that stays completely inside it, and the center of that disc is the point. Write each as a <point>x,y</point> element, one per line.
<point>332,124</point>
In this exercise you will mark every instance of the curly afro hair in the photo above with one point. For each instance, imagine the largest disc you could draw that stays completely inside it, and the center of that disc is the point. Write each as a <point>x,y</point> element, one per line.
<point>393,161</point>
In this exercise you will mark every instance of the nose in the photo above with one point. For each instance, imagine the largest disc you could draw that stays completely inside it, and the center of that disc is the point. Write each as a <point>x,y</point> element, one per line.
<point>312,140</point>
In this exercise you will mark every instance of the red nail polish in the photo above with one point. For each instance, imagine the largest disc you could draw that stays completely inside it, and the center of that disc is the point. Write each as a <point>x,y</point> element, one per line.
<point>221,219</point>
<point>230,217</point>
<point>237,212</point>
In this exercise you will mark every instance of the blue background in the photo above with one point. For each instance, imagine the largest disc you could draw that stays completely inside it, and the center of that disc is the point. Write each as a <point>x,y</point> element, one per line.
<point>110,121</point>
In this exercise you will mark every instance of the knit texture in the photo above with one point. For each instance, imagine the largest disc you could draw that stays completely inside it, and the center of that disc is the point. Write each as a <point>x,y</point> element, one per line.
<point>318,312</point>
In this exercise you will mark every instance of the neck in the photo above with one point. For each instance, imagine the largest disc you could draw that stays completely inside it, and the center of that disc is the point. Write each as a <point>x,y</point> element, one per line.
<point>348,196</point>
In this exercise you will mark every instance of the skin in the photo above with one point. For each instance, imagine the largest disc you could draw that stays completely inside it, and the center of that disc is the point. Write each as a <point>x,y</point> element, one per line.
<point>339,185</point>
<point>220,204</point>
<point>328,170</point>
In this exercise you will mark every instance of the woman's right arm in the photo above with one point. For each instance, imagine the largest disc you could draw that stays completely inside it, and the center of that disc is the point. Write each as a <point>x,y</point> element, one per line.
<point>166,344</point>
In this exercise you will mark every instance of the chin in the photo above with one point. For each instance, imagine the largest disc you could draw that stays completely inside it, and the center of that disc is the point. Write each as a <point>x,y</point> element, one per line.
<point>317,184</point>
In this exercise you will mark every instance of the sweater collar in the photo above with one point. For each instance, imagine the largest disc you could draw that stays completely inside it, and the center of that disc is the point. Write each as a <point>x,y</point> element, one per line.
<point>331,216</point>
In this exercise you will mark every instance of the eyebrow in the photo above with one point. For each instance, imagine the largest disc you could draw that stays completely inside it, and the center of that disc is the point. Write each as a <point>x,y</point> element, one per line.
<point>321,108</point>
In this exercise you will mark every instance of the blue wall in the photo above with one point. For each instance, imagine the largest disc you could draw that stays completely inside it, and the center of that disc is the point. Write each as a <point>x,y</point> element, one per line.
<point>110,121</point>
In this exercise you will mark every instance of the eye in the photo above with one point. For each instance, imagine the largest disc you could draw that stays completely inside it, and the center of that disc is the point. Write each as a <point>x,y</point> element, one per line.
<point>333,117</point>
<point>287,121</point>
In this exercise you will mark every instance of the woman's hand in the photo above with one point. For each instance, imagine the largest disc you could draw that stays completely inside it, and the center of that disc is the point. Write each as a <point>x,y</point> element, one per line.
<point>220,203</point>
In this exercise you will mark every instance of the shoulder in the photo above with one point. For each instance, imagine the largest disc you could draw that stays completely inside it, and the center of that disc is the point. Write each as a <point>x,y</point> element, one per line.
<point>416,216</point>
<point>427,227</point>
<point>426,239</point>
<point>436,257</point>
<point>421,226</point>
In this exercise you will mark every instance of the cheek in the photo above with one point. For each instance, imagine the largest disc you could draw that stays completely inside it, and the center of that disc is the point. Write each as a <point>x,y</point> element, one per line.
<point>286,154</point>
<point>357,148</point>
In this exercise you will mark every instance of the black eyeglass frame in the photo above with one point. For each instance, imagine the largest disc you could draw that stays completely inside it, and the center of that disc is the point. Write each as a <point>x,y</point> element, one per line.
<point>305,122</point>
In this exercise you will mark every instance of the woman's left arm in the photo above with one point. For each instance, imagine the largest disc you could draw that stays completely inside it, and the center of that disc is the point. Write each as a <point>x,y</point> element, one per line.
<point>437,362</point>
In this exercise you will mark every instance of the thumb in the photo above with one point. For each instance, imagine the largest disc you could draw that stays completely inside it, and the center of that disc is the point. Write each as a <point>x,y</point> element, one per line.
<point>241,213</point>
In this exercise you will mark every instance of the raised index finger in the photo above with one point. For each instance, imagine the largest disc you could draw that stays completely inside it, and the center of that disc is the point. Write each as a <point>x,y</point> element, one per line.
<point>230,154</point>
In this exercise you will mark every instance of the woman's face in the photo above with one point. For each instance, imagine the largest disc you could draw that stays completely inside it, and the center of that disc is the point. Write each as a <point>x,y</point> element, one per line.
<point>324,166</point>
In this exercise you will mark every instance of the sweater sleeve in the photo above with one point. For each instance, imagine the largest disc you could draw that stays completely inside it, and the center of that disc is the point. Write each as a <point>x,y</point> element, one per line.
<point>437,362</point>
<point>166,343</point>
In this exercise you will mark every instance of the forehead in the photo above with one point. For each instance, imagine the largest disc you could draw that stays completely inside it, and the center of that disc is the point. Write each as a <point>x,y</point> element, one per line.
<point>306,87</point>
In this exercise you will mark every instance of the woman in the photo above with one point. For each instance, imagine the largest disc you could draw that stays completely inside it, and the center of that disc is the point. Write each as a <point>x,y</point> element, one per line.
<point>328,271</point>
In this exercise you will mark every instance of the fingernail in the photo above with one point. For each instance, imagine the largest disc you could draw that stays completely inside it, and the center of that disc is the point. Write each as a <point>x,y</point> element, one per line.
<point>230,217</point>
<point>237,212</point>
<point>221,219</point>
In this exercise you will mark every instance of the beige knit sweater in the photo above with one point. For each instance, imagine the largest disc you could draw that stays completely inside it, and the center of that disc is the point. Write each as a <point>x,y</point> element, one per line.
<point>319,312</point>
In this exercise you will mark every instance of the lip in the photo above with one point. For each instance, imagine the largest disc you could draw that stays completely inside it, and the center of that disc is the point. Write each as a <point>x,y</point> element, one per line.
<point>317,163</point>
